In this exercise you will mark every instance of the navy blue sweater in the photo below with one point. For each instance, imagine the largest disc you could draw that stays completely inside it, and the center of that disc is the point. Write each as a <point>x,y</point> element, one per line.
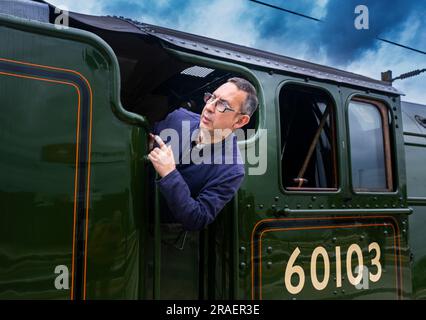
<point>196,192</point>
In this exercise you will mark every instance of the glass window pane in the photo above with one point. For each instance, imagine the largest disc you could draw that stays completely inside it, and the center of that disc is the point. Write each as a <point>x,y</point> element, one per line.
<point>367,148</point>
<point>308,155</point>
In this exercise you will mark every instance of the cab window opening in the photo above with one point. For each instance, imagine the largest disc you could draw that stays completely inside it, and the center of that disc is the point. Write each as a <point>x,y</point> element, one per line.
<point>308,139</point>
<point>155,83</point>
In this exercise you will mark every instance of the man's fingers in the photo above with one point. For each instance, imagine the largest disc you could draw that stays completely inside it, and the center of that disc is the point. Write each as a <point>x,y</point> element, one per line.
<point>151,141</point>
<point>156,151</point>
<point>169,148</point>
<point>160,142</point>
<point>152,157</point>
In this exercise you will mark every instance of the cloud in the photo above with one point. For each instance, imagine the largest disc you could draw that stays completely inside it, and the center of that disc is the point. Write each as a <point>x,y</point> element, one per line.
<point>388,57</point>
<point>334,42</point>
<point>91,7</point>
<point>344,43</point>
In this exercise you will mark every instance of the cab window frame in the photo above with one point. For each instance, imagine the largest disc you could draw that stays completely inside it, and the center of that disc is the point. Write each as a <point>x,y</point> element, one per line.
<point>334,143</point>
<point>389,162</point>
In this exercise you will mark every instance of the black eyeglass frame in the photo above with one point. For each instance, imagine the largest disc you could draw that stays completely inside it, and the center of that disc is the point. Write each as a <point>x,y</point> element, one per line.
<point>210,98</point>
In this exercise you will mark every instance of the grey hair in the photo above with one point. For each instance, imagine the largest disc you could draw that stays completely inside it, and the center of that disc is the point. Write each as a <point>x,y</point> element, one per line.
<point>250,104</point>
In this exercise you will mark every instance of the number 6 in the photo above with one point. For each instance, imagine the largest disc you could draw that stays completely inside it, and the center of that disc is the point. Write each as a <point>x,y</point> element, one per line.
<point>290,270</point>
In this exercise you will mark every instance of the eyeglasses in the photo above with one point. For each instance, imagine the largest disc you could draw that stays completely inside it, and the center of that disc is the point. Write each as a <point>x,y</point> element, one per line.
<point>219,104</point>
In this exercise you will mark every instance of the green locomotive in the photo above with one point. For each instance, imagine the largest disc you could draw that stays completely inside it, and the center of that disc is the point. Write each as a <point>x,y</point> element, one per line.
<point>79,215</point>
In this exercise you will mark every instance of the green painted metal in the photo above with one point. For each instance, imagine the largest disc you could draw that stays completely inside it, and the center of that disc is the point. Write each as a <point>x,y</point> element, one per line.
<point>39,120</point>
<point>416,176</point>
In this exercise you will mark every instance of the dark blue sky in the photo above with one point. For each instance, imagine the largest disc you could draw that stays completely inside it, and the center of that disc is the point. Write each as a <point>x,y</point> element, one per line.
<point>334,41</point>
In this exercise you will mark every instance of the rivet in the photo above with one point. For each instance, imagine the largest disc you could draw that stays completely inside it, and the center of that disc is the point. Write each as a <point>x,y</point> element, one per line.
<point>361,238</point>
<point>314,198</point>
<point>242,265</point>
<point>242,249</point>
<point>269,264</point>
<point>367,206</point>
<point>248,206</point>
<point>298,206</point>
<point>375,198</point>
<point>310,206</point>
<point>385,232</point>
<point>334,239</point>
<point>322,206</point>
<point>358,206</point>
<point>343,206</point>
<point>333,206</point>
<point>286,206</point>
<point>277,198</point>
<point>261,206</point>
<point>404,231</point>
<point>269,250</point>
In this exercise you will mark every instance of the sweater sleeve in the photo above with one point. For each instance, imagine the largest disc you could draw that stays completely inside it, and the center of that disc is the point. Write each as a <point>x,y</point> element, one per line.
<point>196,214</point>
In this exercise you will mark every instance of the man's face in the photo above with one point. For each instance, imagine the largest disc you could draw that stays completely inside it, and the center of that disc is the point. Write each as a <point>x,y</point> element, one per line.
<point>212,119</point>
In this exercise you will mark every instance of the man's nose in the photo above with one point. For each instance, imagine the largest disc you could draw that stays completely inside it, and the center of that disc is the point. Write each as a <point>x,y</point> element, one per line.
<point>211,107</point>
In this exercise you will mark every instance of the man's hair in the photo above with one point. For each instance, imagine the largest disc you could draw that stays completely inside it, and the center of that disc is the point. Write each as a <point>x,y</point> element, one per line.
<point>250,104</point>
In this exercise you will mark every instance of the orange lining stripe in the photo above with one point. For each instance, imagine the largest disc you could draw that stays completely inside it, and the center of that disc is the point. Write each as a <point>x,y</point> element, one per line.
<point>76,160</point>
<point>317,228</point>
<point>89,152</point>
<point>316,218</point>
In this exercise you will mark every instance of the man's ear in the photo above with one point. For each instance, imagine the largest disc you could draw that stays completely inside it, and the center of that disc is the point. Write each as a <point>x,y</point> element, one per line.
<point>242,121</point>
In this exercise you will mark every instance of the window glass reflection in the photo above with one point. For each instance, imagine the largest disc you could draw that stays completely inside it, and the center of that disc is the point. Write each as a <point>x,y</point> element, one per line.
<point>367,147</point>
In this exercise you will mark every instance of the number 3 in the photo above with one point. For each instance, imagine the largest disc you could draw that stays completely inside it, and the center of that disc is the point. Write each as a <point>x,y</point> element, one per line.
<point>375,262</point>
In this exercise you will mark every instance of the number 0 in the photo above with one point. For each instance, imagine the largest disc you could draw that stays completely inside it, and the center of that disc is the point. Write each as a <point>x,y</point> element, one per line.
<point>320,285</point>
<point>354,280</point>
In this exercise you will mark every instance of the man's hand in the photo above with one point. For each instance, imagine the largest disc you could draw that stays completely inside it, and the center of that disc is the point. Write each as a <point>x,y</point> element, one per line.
<point>162,158</point>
